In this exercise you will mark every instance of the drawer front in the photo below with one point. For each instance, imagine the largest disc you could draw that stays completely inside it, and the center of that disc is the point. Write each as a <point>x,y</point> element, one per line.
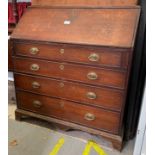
<point>69,111</point>
<point>74,53</point>
<point>102,97</point>
<point>86,74</point>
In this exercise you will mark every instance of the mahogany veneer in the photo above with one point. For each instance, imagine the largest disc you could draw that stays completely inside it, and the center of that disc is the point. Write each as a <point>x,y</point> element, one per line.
<point>69,111</point>
<point>108,57</point>
<point>10,61</point>
<point>86,3</point>
<point>68,71</point>
<point>101,27</point>
<point>106,97</point>
<point>72,66</point>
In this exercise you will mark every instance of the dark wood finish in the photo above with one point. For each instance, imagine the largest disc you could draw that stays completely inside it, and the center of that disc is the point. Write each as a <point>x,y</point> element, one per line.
<point>80,3</point>
<point>72,53</point>
<point>105,97</point>
<point>67,71</point>
<point>105,27</point>
<point>10,61</point>
<point>116,140</point>
<point>52,48</point>
<point>69,111</point>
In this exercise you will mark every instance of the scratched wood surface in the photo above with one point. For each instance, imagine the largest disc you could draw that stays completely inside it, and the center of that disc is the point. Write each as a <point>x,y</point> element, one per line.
<point>107,27</point>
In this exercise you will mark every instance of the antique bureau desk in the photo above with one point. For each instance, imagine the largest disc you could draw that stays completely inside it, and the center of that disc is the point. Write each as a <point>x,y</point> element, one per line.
<point>72,65</point>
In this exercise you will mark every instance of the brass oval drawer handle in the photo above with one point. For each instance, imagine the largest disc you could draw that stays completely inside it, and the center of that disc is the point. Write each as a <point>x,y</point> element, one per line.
<point>89,117</point>
<point>91,95</point>
<point>35,85</point>
<point>34,67</point>
<point>34,50</point>
<point>62,51</point>
<point>94,57</point>
<point>92,76</point>
<point>37,104</point>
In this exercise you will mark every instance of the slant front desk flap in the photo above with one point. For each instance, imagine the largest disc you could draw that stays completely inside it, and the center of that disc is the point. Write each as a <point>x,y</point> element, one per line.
<point>94,3</point>
<point>105,27</point>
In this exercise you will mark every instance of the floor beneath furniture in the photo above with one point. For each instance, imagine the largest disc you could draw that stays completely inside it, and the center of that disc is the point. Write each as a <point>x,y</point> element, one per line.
<point>37,137</point>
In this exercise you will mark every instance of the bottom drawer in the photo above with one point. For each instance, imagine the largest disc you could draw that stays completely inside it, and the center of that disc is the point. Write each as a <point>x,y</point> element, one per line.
<point>69,111</point>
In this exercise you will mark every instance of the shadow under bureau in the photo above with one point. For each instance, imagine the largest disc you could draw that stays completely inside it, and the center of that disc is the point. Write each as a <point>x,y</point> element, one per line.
<point>71,67</point>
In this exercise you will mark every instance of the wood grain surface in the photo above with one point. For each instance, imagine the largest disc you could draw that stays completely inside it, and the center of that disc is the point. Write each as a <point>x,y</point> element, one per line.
<point>81,3</point>
<point>104,27</point>
<point>108,57</point>
<point>73,72</point>
<point>105,97</point>
<point>70,111</point>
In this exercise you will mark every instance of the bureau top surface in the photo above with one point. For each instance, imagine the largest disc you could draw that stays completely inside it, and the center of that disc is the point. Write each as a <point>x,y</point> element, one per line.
<point>84,2</point>
<point>103,27</point>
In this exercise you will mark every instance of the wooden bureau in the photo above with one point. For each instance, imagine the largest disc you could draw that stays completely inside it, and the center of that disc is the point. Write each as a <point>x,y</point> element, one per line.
<point>72,65</point>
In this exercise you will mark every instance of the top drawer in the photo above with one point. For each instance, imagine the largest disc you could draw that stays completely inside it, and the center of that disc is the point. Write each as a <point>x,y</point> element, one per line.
<point>74,53</point>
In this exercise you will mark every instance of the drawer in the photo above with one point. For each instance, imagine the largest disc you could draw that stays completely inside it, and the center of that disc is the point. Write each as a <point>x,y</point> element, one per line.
<point>69,111</point>
<point>81,73</point>
<point>96,96</point>
<point>112,57</point>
